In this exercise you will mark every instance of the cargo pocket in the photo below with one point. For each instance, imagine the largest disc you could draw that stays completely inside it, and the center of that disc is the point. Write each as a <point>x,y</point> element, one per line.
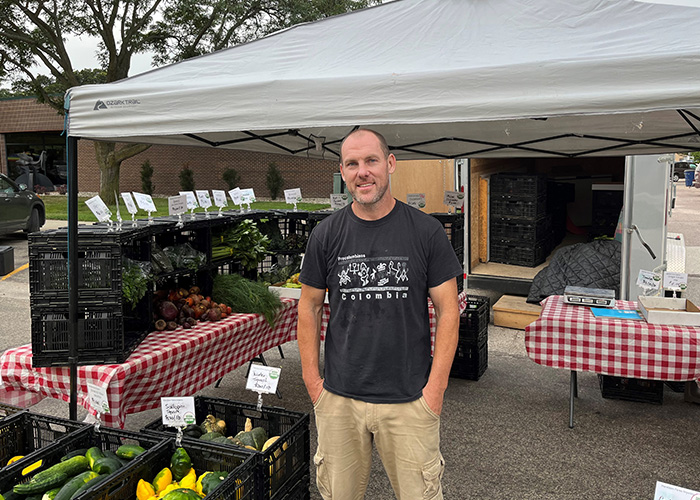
<point>432,477</point>
<point>322,477</point>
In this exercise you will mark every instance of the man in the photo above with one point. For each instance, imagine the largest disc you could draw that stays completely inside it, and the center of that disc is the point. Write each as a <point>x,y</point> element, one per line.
<point>380,260</point>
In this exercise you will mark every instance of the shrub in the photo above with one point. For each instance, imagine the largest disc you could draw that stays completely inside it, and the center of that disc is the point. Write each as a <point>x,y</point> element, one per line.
<point>187,179</point>
<point>232,178</point>
<point>274,180</point>
<point>146,177</point>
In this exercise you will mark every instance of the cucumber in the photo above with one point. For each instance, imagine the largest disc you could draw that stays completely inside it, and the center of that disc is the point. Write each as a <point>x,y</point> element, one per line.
<point>93,454</point>
<point>41,485</point>
<point>70,468</point>
<point>111,454</point>
<point>11,495</point>
<point>74,484</point>
<point>106,465</point>
<point>89,484</point>
<point>129,451</point>
<point>51,494</point>
<point>74,453</point>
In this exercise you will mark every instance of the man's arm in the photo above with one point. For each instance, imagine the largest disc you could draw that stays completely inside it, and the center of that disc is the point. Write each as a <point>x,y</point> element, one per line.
<point>309,338</point>
<point>444,297</point>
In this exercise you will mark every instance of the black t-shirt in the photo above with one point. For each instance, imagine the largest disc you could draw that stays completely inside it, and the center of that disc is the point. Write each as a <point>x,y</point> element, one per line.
<point>378,273</point>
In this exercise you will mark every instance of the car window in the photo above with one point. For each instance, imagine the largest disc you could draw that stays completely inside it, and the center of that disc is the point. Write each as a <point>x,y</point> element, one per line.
<point>5,186</point>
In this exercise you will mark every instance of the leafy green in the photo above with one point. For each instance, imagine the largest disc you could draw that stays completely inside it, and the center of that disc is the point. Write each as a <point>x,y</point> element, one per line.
<point>135,279</point>
<point>244,242</point>
<point>245,296</point>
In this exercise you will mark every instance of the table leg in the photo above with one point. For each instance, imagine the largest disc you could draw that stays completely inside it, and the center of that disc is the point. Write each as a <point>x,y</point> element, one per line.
<point>573,393</point>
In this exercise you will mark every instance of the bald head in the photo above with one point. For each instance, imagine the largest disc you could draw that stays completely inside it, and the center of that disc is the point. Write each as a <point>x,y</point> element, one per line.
<point>380,138</point>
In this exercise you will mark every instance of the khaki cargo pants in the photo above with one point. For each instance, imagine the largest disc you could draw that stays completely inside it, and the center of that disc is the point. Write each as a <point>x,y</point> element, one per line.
<point>407,437</point>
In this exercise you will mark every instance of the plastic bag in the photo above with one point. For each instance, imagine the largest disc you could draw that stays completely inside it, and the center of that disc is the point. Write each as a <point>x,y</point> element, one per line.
<point>184,256</point>
<point>160,261</point>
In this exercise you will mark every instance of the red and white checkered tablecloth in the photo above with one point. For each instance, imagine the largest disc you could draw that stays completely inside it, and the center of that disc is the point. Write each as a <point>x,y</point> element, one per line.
<point>570,337</point>
<point>168,363</point>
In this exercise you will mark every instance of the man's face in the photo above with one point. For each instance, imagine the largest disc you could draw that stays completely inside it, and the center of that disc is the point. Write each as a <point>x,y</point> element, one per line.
<point>365,168</point>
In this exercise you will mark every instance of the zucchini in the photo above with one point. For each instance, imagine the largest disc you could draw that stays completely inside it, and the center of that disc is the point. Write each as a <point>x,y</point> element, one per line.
<point>89,484</point>
<point>111,454</point>
<point>11,495</point>
<point>74,484</point>
<point>51,494</point>
<point>93,454</point>
<point>106,465</point>
<point>74,453</point>
<point>70,468</point>
<point>129,451</point>
<point>41,485</point>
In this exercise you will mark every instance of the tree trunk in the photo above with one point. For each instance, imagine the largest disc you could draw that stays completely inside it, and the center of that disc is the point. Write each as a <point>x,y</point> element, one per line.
<point>110,159</point>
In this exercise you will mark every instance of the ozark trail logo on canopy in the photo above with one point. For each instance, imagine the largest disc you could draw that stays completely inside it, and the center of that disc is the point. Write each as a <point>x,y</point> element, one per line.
<point>115,103</point>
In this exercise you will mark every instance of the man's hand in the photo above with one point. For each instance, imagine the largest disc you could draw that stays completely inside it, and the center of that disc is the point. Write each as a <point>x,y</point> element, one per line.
<point>433,398</point>
<point>314,388</point>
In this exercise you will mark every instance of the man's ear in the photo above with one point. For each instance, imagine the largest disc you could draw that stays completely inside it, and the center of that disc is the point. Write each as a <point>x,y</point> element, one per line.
<point>391,160</point>
<point>342,174</point>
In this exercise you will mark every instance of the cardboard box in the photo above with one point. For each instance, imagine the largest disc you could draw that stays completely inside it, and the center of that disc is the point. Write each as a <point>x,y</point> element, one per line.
<point>294,293</point>
<point>669,311</point>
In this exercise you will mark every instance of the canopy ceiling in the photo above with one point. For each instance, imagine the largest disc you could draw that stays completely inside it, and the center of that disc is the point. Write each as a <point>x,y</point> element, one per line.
<point>439,78</point>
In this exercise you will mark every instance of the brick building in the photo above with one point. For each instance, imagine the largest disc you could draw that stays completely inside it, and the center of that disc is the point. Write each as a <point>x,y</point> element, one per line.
<point>26,125</point>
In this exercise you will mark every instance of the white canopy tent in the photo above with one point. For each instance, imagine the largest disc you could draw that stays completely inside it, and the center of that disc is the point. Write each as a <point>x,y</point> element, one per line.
<point>440,78</point>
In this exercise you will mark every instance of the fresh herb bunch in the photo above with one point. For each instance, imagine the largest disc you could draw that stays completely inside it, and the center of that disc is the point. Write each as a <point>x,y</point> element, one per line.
<point>245,296</point>
<point>135,279</point>
<point>244,242</point>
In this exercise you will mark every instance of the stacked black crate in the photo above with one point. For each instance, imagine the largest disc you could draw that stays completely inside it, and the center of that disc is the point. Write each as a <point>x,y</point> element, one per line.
<point>109,327</point>
<point>471,358</point>
<point>559,195</point>
<point>606,207</point>
<point>453,224</point>
<point>520,229</point>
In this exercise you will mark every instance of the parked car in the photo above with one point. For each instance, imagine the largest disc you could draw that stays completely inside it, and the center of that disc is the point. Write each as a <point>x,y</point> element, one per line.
<point>20,209</point>
<point>679,169</point>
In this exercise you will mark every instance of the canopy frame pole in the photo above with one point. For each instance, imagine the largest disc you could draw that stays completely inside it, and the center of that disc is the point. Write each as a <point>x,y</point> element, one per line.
<point>72,160</point>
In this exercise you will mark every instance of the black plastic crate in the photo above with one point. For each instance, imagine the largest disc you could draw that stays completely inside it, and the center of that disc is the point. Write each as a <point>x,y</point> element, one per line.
<point>502,206</point>
<point>23,433</point>
<point>242,482</point>
<point>105,438</point>
<point>519,254</point>
<point>196,233</point>
<point>471,359</point>
<point>103,337</point>
<point>281,463</point>
<point>474,320</point>
<point>300,491</point>
<point>318,216</point>
<point>519,185</point>
<point>631,389</point>
<point>453,224</point>
<point>9,410</point>
<point>675,386</point>
<point>509,229</point>
<point>295,229</point>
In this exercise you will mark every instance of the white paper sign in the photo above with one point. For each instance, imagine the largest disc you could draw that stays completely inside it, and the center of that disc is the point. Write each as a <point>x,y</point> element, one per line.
<point>648,280</point>
<point>177,412</point>
<point>191,200</point>
<point>145,202</point>
<point>130,204</point>
<point>98,207</point>
<point>177,205</point>
<point>292,196</point>
<point>339,200</point>
<point>247,195</point>
<point>665,491</point>
<point>263,378</point>
<point>203,198</point>
<point>98,397</point>
<point>219,198</point>
<point>454,199</point>
<point>675,281</point>
<point>236,197</point>
<point>416,200</point>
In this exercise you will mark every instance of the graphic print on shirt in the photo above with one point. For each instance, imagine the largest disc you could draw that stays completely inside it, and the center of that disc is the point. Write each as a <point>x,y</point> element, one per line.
<point>372,278</point>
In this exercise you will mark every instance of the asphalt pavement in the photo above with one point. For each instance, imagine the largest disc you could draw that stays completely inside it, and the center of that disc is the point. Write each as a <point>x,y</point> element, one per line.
<point>505,436</point>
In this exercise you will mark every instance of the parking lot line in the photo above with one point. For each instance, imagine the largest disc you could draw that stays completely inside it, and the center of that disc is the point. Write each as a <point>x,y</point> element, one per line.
<point>21,268</point>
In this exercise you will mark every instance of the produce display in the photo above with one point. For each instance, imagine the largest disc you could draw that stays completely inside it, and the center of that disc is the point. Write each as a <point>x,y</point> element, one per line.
<point>179,481</point>
<point>246,296</point>
<point>214,430</point>
<point>185,307</point>
<point>244,241</point>
<point>292,282</point>
<point>75,472</point>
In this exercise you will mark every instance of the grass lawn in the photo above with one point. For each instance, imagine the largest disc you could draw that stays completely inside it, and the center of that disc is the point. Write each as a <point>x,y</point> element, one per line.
<point>57,208</point>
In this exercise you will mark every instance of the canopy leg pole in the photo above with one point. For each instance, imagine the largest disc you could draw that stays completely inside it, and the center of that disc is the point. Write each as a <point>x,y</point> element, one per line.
<point>72,160</point>
<point>573,393</point>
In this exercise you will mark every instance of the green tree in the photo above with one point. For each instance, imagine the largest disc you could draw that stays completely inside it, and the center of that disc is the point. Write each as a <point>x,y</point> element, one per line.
<point>187,178</point>
<point>695,156</point>
<point>147,177</point>
<point>34,32</point>
<point>231,178</point>
<point>274,180</point>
